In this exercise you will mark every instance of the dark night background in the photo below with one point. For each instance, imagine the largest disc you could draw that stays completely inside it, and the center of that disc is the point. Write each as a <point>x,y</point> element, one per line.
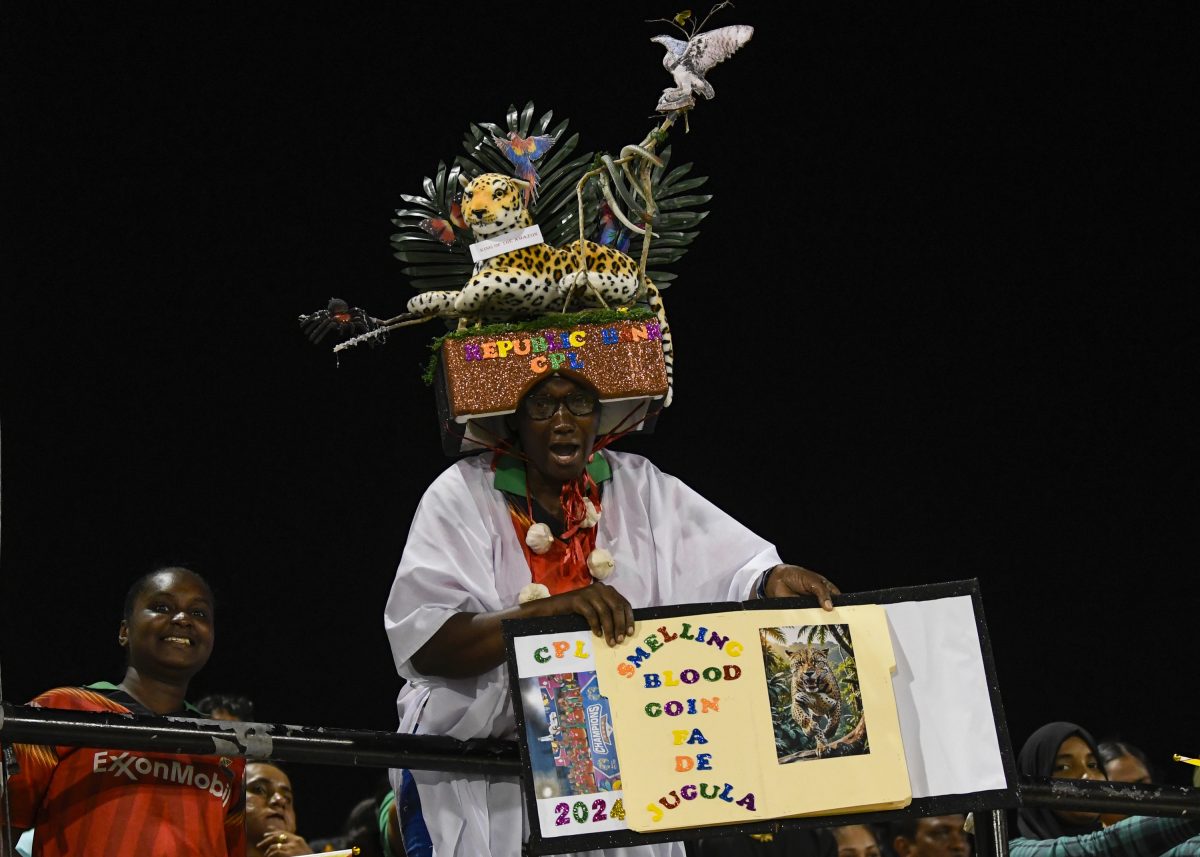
<point>929,331</point>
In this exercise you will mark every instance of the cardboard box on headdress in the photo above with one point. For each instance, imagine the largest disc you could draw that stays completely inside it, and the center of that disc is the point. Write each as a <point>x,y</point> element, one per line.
<point>481,378</point>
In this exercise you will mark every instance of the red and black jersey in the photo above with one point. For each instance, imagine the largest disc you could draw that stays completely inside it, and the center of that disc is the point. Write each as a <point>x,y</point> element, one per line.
<point>84,801</point>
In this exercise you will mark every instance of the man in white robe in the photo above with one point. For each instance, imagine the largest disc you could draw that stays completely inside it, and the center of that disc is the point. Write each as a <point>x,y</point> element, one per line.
<point>463,556</point>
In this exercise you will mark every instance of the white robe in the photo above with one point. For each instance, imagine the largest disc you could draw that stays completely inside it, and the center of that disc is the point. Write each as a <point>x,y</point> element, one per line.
<point>671,546</point>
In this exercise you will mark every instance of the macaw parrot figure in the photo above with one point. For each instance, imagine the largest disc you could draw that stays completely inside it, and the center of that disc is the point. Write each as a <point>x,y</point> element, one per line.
<point>523,151</point>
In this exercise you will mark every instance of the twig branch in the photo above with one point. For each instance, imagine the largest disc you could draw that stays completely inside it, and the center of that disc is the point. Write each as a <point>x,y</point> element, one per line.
<point>856,734</point>
<point>404,321</point>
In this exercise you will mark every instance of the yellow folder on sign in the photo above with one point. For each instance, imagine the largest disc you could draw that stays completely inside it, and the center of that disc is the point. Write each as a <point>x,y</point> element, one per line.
<point>745,716</point>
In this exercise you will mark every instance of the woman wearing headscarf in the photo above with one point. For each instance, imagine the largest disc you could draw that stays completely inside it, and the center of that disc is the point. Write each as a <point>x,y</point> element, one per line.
<point>1066,751</point>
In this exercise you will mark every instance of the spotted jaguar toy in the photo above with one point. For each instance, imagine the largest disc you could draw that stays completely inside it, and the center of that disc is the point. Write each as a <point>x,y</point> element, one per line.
<point>531,280</point>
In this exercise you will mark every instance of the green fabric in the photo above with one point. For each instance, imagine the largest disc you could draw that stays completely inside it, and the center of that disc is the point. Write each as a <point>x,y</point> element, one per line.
<point>510,473</point>
<point>103,685</point>
<point>384,831</point>
<point>1139,836</point>
<point>108,685</point>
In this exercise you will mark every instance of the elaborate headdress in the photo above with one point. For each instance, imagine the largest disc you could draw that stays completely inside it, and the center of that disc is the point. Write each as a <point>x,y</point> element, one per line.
<point>545,259</point>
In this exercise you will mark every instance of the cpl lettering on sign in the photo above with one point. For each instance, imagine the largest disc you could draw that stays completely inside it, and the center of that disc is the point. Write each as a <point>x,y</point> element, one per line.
<point>551,350</point>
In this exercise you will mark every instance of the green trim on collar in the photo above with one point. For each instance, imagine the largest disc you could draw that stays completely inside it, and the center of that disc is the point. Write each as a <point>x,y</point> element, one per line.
<point>102,685</point>
<point>510,473</point>
<point>108,685</point>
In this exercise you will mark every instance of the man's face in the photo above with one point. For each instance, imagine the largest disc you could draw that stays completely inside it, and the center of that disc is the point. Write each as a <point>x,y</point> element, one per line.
<point>555,438</point>
<point>269,806</point>
<point>939,836</point>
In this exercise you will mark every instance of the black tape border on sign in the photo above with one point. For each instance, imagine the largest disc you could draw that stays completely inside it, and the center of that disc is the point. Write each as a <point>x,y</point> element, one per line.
<point>1005,798</point>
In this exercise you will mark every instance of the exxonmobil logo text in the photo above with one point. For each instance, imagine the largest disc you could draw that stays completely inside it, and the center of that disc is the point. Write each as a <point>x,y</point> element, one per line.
<point>136,767</point>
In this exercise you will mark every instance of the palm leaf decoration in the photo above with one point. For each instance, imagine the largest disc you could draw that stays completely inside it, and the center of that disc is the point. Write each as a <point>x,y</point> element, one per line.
<point>431,264</point>
<point>678,219</point>
<point>556,209</point>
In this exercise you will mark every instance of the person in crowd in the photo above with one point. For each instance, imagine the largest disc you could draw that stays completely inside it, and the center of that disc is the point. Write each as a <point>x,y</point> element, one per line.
<point>271,813</point>
<point>227,706</point>
<point>813,842</point>
<point>551,517</point>
<point>84,800</point>
<point>389,826</point>
<point>856,840</point>
<point>360,830</point>
<point>1063,750</point>
<point>933,836</point>
<point>1060,751</point>
<point>1123,763</point>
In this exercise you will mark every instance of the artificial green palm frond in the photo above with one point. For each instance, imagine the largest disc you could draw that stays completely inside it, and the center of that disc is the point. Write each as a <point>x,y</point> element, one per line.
<point>679,215</point>
<point>431,264</point>
<point>556,209</point>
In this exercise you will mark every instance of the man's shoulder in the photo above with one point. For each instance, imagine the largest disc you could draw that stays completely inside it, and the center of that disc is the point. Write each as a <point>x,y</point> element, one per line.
<point>463,470</point>
<point>466,481</point>
<point>631,467</point>
<point>629,461</point>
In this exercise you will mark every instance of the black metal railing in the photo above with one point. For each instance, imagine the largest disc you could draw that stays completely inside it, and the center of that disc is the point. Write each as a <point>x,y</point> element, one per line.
<point>363,748</point>
<point>314,745</point>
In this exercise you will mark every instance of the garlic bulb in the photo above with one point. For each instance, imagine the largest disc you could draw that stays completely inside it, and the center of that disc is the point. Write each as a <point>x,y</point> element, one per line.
<point>532,592</point>
<point>601,563</point>
<point>539,538</point>
<point>591,514</point>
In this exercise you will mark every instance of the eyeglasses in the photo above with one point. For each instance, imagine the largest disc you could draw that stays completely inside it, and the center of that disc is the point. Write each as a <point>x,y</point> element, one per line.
<point>544,407</point>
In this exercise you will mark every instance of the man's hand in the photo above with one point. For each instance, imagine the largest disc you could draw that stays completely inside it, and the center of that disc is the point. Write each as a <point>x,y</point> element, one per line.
<point>281,844</point>
<point>608,613</point>
<point>784,581</point>
<point>470,644</point>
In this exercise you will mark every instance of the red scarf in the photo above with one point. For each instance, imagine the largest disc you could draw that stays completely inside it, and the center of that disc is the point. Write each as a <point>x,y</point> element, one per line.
<point>563,568</point>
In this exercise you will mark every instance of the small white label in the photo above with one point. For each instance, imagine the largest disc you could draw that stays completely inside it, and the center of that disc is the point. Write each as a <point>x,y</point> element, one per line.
<point>514,240</point>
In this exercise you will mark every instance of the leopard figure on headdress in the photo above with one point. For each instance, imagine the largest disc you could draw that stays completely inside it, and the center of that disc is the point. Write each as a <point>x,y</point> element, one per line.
<point>533,279</point>
<point>537,279</point>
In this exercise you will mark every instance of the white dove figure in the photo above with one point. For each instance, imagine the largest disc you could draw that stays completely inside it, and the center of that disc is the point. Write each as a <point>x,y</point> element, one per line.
<point>688,61</point>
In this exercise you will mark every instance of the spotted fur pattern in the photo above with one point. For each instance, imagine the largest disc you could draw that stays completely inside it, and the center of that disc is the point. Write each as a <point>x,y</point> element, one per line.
<point>656,304</point>
<point>816,695</point>
<point>530,280</point>
<point>537,279</point>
